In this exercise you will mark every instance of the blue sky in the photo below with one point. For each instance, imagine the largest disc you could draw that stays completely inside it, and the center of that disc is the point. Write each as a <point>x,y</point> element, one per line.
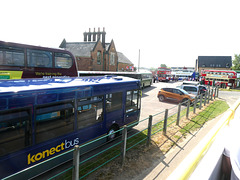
<point>168,32</point>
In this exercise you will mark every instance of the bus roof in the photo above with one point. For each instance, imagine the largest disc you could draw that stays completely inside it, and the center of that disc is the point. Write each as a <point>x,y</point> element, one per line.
<point>55,83</point>
<point>215,70</point>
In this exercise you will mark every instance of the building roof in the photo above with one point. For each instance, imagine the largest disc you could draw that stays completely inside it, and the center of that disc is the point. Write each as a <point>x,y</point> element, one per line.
<point>123,59</point>
<point>82,49</point>
<point>215,61</point>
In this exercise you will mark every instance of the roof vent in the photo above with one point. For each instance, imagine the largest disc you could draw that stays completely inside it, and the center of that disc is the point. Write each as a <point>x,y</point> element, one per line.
<point>118,78</point>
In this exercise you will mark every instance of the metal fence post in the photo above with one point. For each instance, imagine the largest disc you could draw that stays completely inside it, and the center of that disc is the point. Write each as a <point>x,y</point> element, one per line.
<point>76,159</point>
<point>165,122</point>
<point>188,105</point>
<point>149,130</point>
<point>195,105</point>
<point>178,114</point>
<point>200,106</point>
<point>215,91</point>
<point>124,143</point>
<point>205,98</point>
<point>211,94</point>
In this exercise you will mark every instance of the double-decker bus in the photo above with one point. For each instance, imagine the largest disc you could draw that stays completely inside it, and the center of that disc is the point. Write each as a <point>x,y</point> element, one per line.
<point>145,77</point>
<point>164,74</point>
<point>221,78</point>
<point>19,61</point>
<point>41,118</point>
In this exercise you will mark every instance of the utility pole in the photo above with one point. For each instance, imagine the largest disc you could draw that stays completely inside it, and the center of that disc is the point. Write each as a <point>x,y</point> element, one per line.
<point>138,60</point>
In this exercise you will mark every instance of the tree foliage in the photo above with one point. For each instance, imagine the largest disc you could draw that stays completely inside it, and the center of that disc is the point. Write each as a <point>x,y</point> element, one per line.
<point>236,62</point>
<point>163,65</point>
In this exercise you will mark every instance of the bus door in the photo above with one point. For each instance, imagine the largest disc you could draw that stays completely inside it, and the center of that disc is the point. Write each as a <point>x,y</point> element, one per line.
<point>132,106</point>
<point>114,109</point>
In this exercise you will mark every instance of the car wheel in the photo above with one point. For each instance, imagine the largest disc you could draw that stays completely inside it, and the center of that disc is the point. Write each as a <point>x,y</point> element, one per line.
<point>161,98</point>
<point>112,133</point>
<point>185,101</point>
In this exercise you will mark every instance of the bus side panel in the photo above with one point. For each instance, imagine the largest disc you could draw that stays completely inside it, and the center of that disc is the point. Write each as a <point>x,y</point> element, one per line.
<point>114,117</point>
<point>41,152</point>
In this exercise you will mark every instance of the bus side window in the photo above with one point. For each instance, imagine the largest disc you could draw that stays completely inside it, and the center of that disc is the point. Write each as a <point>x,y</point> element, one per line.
<point>131,101</point>
<point>1,57</point>
<point>54,120</point>
<point>63,60</point>
<point>90,112</point>
<point>114,101</point>
<point>14,131</point>
<point>14,57</point>
<point>36,58</point>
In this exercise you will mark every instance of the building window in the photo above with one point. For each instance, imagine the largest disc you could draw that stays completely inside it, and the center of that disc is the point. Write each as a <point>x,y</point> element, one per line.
<point>203,65</point>
<point>99,57</point>
<point>112,58</point>
<point>227,65</point>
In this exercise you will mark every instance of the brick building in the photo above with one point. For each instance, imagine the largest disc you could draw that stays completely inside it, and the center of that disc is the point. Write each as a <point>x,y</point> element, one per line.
<point>213,62</point>
<point>94,54</point>
<point>124,64</point>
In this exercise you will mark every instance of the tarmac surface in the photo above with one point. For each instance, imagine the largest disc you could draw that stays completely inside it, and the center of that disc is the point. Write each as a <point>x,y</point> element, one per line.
<point>166,165</point>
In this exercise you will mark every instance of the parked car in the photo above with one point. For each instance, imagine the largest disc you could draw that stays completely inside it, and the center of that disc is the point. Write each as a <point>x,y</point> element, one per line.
<point>175,94</point>
<point>190,83</point>
<point>203,89</point>
<point>194,89</point>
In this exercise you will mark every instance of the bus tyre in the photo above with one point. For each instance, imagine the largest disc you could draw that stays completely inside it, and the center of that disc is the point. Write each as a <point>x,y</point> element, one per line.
<point>161,98</point>
<point>112,133</point>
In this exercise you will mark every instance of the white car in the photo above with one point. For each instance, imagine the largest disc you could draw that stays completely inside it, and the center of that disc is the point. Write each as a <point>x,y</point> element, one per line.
<point>194,89</point>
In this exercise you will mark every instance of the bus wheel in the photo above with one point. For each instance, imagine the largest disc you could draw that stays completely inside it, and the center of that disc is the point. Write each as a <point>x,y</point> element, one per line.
<point>112,133</point>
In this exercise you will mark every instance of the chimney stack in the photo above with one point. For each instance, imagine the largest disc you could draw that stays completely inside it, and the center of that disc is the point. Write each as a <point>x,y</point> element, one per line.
<point>89,35</point>
<point>98,34</point>
<point>85,36</point>
<point>94,35</point>
<point>103,37</point>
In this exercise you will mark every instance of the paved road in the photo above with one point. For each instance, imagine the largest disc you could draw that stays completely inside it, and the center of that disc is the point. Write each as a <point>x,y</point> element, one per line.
<point>163,167</point>
<point>150,103</point>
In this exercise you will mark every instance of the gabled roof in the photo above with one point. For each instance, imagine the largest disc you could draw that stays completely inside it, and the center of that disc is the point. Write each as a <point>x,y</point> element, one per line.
<point>107,46</point>
<point>123,59</point>
<point>209,61</point>
<point>82,49</point>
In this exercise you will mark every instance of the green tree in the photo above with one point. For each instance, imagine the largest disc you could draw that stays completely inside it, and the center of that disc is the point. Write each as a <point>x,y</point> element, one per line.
<point>163,65</point>
<point>236,62</point>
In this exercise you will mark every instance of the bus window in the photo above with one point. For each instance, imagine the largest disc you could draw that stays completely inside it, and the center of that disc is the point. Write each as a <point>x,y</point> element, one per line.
<point>131,101</point>
<point>90,112</point>
<point>54,120</point>
<point>114,101</point>
<point>11,57</point>
<point>1,57</point>
<point>36,58</point>
<point>14,131</point>
<point>63,60</point>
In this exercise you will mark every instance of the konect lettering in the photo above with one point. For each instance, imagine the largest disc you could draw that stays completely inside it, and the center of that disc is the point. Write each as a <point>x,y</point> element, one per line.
<point>49,152</point>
